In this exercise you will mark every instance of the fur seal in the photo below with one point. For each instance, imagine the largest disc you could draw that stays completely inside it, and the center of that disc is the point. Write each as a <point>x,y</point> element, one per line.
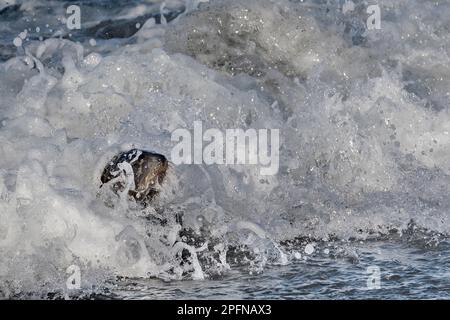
<point>138,172</point>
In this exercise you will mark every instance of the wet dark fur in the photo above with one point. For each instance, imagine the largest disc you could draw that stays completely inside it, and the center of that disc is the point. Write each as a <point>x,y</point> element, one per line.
<point>149,171</point>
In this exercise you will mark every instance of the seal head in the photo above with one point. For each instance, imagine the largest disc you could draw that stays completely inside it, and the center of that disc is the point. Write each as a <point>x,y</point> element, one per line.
<point>137,172</point>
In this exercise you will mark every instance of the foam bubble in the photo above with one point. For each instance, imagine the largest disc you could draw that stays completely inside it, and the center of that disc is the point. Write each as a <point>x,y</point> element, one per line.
<point>309,249</point>
<point>17,42</point>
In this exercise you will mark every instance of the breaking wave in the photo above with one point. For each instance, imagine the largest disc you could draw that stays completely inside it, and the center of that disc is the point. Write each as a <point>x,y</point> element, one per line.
<point>363,116</point>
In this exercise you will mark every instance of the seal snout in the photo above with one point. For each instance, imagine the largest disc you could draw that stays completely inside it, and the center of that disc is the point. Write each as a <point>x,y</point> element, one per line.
<point>141,172</point>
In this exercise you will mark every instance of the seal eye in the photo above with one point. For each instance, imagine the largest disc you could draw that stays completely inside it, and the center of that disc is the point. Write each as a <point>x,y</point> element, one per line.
<point>147,168</point>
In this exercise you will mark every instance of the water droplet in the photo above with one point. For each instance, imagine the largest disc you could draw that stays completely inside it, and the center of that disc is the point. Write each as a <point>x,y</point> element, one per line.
<point>309,249</point>
<point>17,42</point>
<point>23,34</point>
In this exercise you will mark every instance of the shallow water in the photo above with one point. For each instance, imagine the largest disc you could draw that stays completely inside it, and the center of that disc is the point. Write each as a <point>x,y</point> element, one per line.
<point>364,174</point>
<point>407,272</point>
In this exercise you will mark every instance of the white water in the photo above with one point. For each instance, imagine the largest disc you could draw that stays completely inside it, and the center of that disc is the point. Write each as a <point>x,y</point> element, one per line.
<point>364,119</point>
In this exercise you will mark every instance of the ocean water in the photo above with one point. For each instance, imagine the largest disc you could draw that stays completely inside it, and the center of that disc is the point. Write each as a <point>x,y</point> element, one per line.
<point>358,209</point>
<point>406,272</point>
